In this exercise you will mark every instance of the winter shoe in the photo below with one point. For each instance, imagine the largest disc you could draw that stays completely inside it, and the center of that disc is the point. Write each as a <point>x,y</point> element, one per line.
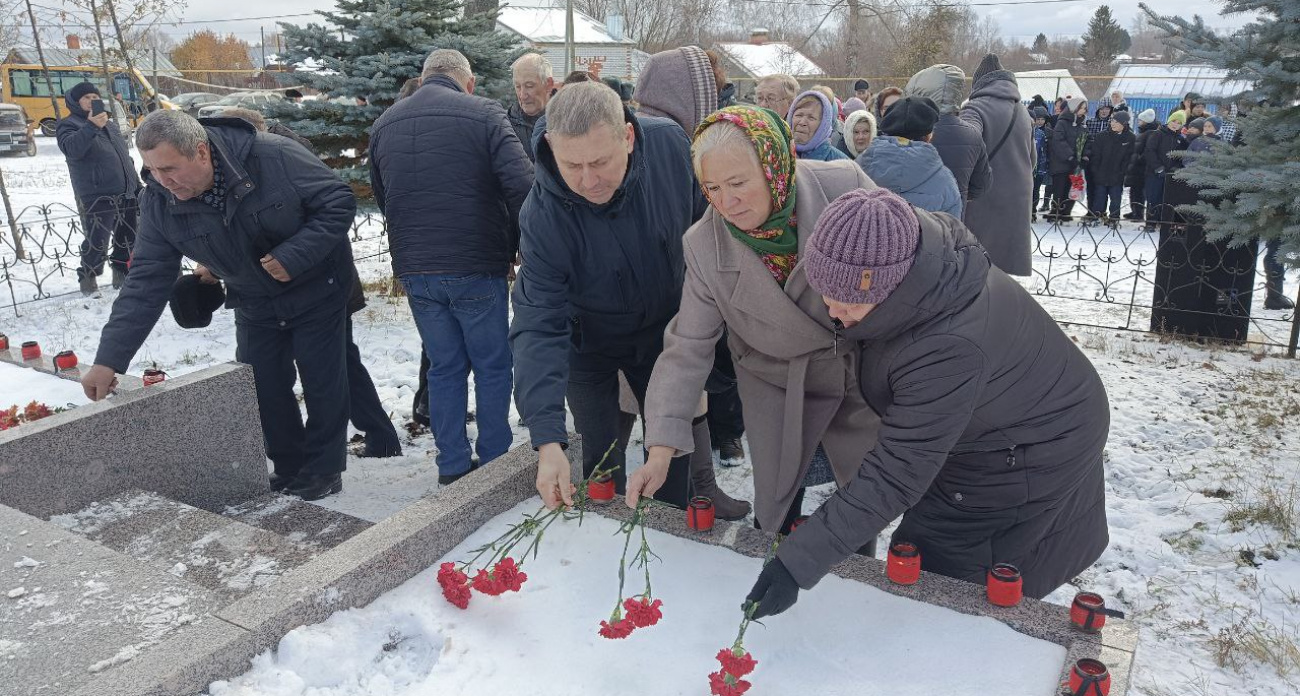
<point>448,479</point>
<point>89,286</point>
<point>119,277</point>
<point>279,483</point>
<point>1275,298</point>
<point>731,452</point>
<point>310,487</point>
<point>703,483</point>
<point>382,445</point>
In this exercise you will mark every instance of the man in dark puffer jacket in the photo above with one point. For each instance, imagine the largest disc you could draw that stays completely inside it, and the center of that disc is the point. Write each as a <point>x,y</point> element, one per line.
<point>105,182</point>
<point>450,176</point>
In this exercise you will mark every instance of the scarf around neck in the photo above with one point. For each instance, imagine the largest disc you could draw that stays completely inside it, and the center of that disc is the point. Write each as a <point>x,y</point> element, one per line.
<point>776,241</point>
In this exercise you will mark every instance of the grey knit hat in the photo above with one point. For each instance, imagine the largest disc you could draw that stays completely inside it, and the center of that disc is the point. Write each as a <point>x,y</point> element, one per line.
<point>863,246</point>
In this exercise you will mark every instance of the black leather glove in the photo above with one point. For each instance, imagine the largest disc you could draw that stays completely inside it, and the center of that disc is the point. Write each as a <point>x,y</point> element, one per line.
<point>775,591</point>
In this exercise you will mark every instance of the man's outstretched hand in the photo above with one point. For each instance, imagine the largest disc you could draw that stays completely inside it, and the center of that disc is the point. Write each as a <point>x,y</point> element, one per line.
<point>98,382</point>
<point>554,478</point>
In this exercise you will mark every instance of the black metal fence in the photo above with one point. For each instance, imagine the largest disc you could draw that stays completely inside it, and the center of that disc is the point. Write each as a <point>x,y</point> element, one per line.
<point>1112,276</point>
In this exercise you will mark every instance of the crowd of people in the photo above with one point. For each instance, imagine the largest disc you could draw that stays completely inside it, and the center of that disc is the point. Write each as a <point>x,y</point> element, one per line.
<point>829,277</point>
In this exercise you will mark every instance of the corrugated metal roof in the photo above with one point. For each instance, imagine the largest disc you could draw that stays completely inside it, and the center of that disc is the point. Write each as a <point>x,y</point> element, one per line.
<point>1050,84</point>
<point>143,59</point>
<point>1165,81</point>
<point>770,58</point>
<point>544,25</point>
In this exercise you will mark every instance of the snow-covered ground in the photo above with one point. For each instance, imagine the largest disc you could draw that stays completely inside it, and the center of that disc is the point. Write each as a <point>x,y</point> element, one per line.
<point>20,386</point>
<point>1202,464</point>
<point>412,642</point>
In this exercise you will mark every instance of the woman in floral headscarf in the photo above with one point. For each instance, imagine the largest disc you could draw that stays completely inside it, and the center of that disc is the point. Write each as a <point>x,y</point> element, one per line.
<point>798,377</point>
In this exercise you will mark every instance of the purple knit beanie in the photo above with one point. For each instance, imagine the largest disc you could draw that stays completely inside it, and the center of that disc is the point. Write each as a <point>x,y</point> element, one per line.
<point>863,246</point>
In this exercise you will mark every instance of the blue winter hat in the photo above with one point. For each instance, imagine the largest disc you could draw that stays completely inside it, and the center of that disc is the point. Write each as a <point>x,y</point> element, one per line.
<point>1218,123</point>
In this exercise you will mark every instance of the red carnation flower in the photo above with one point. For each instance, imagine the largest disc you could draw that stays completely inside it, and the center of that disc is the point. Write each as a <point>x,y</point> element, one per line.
<point>9,418</point>
<point>723,684</point>
<point>486,583</point>
<point>36,411</point>
<point>642,612</point>
<point>455,585</point>
<point>619,629</point>
<point>736,662</point>
<point>508,574</point>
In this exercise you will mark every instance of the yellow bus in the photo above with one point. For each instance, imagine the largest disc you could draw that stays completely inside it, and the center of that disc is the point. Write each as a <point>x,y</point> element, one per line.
<point>24,84</point>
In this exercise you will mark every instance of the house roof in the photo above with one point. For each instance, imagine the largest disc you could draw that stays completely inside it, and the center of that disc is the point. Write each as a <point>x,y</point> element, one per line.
<point>770,58</point>
<point>544,25</point>
<point>1050,84</point>
<point>1164,81</point>
<point>143,59</point>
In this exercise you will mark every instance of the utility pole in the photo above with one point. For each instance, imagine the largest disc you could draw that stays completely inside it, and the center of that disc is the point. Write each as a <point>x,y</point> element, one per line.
<point>103,54</point>
<point>852,48</point>
<point>261,74</point>
<point>45,69</point>
<point>568,38</point>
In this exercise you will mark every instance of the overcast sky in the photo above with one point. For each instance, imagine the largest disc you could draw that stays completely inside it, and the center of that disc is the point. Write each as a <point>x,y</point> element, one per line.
<point>1017,22</point>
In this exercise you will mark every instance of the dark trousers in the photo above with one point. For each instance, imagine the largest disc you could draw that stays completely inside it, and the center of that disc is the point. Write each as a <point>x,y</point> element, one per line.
<point>463,321</point>
<point>1041,188</point>
<point>726,417</point>
<point>1154,194</point>
<point>108,220</point>
<point>1061,203</point>
<point>1102,195</point>
<point>1274,269</point>
<point>1137,201</point>
<point>1096,204</point>
<point>593,401</point>
<point>367,411</point>
<point>311,347</point>
<point>420,404</point>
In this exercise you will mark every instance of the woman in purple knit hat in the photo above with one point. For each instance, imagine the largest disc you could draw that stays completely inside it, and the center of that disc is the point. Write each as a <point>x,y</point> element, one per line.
<point>992,420</point>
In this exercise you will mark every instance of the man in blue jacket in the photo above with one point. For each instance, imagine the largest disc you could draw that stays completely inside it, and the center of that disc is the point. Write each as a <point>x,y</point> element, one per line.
<point>450,176</point>
<point>601,276</point>
<point>271,220</point>
<point>105,182</point>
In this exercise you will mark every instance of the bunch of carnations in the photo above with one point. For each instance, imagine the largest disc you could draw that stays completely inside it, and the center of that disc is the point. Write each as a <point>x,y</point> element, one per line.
<point>501,573</point>
<point>736,661</point>
<point>638,611</point>
<point>12,417</point>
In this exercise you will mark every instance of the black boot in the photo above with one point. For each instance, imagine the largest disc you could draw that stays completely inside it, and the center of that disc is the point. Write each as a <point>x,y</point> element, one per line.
<point>309,487</point>
<point>731,452</point>
<point>382,445</point>
<point>279,483</point>
<point>1275,298</point>
<point>448,479</point>
<point>119,277</point>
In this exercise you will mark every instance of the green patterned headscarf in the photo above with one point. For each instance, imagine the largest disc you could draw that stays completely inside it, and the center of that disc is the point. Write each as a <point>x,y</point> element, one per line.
<point>777,240</point>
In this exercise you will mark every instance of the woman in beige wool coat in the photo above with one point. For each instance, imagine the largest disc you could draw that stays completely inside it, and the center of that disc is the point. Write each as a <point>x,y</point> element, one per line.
<point>797,375</point>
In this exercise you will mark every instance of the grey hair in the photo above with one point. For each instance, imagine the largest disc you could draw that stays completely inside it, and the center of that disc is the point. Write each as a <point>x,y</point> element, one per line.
<point>176,128</point>
<point>790,84</point>
<point>450,62</point>
<point>721,136</point>
<point>578,108</point>
<point>535,62</point>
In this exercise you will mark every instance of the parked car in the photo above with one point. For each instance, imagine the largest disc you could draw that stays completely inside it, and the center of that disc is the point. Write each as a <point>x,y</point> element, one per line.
<point>17,132</point>
<point>191,102</point>
<point>246,100</point>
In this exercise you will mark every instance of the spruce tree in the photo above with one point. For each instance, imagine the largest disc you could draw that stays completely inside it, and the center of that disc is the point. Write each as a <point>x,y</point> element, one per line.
<point>367,49</point>
<point>1250,191</point>
<point>1040,45</point>
<point>1104,40</point>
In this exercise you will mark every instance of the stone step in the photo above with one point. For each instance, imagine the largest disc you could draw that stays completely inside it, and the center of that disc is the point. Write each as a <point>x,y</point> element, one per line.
<point>225,555</point>
<point>305,524</point>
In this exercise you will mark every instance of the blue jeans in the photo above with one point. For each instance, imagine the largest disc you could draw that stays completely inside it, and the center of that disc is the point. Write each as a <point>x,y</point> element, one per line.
<point>1102,194</point>
<point>1155,197</point>
<point>463,323</point>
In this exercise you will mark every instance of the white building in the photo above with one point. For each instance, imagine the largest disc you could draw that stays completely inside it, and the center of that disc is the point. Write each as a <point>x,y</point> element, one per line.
<point>595,46</point>
<point>759,57</point>
<point>1049,84</point>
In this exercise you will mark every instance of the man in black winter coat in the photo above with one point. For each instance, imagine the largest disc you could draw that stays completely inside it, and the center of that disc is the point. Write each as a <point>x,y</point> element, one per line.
<point>1064,147</point>
<point>1136,178</point>
<point>105,182</point>
<point>601,277</point>
<point>1158,164</point>
<point>272,221</point>
<point>1108,156</point>
<point>450,176</point>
